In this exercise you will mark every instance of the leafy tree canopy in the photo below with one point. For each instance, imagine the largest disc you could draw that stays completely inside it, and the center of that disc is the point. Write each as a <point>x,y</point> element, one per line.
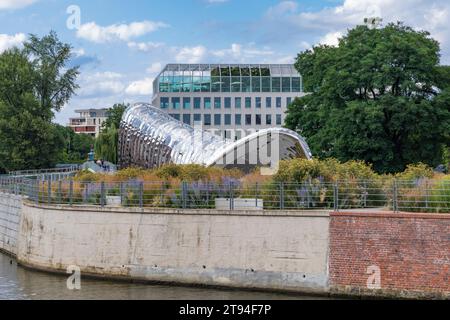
<point>379,96</point>
<point>106,145</point>
<point>115,115</point>
<point>33,82</point>
<point>54,83</point>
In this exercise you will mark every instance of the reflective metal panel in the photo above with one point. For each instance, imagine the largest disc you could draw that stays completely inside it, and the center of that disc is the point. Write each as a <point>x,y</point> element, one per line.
<point>150,138</point>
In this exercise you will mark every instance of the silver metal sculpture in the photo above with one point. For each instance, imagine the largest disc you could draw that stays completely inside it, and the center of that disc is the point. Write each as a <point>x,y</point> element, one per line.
<point>150,138</point>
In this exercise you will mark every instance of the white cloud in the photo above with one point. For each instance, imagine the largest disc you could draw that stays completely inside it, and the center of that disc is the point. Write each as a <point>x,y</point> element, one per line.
<point>7,41</point>
<point>15,4</point>
<point>141,87</point>
<point>100,84</point>
<point>145,46</point>
<point>331,39</point>
<point>155,68</point>
<point>191,54</point>
<point>327,24</point>
<point>282,8</point>
<point>117,32</point>
<point>236,53</point>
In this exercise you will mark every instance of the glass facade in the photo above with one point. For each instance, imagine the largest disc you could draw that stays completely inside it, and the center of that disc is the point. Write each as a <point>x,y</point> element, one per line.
<point>228,119</point>
<point>217,119</point>
<point>187,119</point>
<point>278,102</point>
<point>186,103</point>
<point>175,103</point>
<point>164,103</point>
<point>197,103</point>
<point>248,103</point>
<point>248,119</point>
<point>227,103</point>
<point>237,102</point>
<point>258,103</point>
<point>279,120</point>
<point>229,78</point>
<point>207,120</point>
<point>217,103</point>
<point>238,119</point>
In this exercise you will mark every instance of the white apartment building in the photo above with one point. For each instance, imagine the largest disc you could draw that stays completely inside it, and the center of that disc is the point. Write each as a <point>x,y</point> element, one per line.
<point>89,121</point>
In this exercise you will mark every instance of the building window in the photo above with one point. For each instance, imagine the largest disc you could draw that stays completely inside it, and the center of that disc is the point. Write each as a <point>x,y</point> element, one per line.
<point>175,103</point>
<point>227,103</point>
<point>186,103</point>
<point>268,119</point>
<point>175,116</point>
<point>197,118</point>
<point>276,84</point>
<point>288,101</point>
<point>248,119</point>
<point>164,103</point>
<point>279,102</point>
<point>268,102</point>
<point>207,103</point>
<point>217,119</point>
<point>237,103</point>
<point>258,103</point>
<point>258,119</point>
<point>227,134</point>
<point>187,119</point>
<point>296,85</point>
<point>248,103</point>
<point>228,119</point>
<point>217,103</point>
<point>286,84</point>
<point>207,119</point>
<point>279,120</point>
<point>238,119</point>
<point>197,103</point>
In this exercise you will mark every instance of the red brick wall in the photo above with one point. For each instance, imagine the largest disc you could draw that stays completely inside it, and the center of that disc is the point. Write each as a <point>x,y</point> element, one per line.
<point>412,250</point>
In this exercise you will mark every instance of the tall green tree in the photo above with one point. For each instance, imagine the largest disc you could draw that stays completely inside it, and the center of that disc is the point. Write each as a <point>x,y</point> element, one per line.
<point>54,83</point>
<point>379,96</point>
<point>106,145</point>
<point>34,82</point>
<point>115,115</point>
<point>76,146</point>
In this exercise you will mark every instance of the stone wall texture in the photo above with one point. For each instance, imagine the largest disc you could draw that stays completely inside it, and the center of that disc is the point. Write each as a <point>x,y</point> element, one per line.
<point>10,210</point>
<point>257,250</point>
<point>412,252</point>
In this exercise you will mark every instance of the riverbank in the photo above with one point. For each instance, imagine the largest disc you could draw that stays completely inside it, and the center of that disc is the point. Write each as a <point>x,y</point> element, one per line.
<point>18,283</point>
<point>312,253</point>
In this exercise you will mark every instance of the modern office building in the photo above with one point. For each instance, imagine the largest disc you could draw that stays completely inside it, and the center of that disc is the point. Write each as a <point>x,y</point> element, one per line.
<point>89,122</point>
<point>234,100</point>
<point>150,138</point>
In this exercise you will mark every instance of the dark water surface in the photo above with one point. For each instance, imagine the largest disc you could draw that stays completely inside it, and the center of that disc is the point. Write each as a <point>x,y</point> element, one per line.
<point>17,283</point>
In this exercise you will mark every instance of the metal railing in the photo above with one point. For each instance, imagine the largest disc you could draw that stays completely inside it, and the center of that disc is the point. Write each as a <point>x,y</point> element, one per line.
<point>413,196</point>
<point>70,169</point>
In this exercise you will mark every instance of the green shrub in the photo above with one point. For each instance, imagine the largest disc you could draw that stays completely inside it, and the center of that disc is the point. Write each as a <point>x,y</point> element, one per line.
<point>416,171</point>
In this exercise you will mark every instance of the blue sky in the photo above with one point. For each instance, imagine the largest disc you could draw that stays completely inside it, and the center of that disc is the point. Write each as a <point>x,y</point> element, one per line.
<point>122,45</point>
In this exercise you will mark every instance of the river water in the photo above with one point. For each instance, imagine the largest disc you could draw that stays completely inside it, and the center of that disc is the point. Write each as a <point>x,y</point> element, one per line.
<point>17,283</point>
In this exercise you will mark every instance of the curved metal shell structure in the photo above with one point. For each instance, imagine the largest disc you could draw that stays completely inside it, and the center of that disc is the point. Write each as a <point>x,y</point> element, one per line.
<point>150,138</point>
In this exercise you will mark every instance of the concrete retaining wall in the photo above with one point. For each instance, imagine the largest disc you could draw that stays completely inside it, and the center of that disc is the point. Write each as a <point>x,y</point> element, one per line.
<point>269,250</point>
<point>10,209</point>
